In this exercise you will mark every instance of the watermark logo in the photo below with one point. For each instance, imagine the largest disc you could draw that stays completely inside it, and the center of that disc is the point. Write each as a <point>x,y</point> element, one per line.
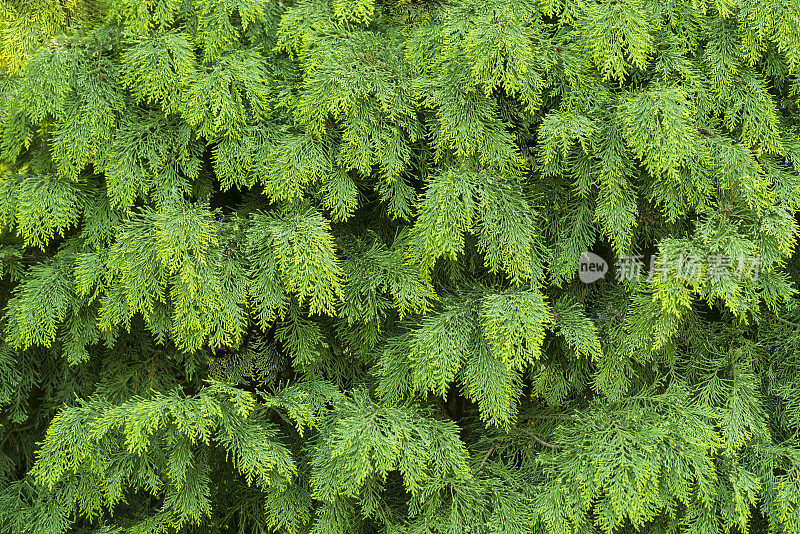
<point>591,267</point>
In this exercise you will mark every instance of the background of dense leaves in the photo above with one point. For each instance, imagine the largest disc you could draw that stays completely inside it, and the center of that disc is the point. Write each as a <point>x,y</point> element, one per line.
<point>310,266</point>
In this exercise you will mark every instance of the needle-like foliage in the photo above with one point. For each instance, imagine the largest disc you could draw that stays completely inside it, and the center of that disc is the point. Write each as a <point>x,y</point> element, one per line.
<point>315,266</point>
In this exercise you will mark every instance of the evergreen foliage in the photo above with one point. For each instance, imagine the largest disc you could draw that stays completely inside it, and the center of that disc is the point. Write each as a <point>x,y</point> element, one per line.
<point>311,266</point>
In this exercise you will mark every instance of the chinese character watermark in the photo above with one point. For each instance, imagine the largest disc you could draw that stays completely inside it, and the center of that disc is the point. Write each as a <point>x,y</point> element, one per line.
<point>689,267</point>
<point>629,268</point>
